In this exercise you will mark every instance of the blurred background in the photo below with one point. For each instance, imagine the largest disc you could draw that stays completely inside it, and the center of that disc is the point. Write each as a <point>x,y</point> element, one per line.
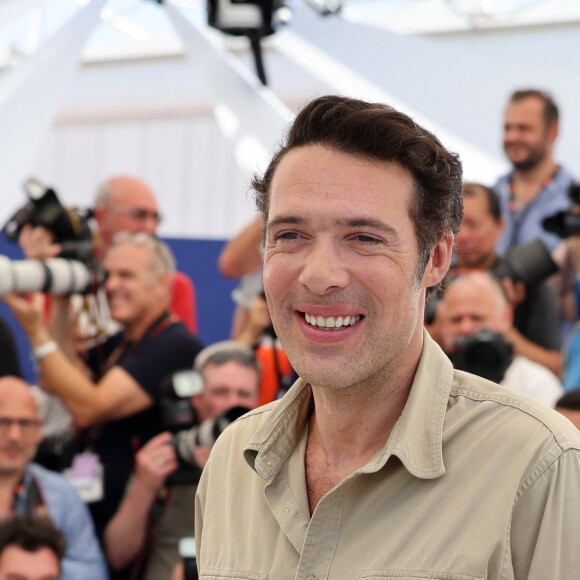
<point>91,90</point>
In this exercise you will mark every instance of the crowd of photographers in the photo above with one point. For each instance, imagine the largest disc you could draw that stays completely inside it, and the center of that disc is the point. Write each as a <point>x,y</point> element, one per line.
<point>131,401</point>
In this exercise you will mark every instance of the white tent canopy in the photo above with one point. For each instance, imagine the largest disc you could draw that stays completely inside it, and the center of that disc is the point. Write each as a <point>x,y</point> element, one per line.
<point>151,113</point>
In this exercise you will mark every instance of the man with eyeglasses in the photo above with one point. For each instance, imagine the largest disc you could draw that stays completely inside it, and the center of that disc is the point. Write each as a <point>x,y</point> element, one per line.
<point>27,489</point>
<point>115,388</point>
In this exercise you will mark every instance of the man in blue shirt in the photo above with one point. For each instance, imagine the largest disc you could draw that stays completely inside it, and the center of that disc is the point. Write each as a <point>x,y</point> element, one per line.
<point>28,489</point>
<point>536,187</point>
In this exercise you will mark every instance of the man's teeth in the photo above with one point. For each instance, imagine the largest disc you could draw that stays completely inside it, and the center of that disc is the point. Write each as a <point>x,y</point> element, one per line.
<point>331,322</point>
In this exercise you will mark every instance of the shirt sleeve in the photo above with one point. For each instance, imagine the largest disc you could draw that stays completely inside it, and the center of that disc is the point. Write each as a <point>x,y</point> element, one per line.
<point>545,531</point>
<point>83,557</point>
<point>183,301</point>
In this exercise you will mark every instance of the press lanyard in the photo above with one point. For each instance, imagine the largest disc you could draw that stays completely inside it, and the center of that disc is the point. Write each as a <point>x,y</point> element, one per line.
<point>519,217</point>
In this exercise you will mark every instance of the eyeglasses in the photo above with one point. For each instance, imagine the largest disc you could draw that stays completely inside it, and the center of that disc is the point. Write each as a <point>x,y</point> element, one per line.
<point>136,213</point>
<point>28,427</point>
<point>135,238</point>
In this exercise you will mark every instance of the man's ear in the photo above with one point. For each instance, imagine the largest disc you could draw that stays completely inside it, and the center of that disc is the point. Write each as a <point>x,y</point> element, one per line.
<point>439,261</point>
<point>100,214</point>
<point>501,224</point>
<point>553,130</point>
<point>166,278</point>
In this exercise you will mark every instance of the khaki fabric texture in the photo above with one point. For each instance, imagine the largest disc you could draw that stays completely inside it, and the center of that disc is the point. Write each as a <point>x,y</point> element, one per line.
<point>475,482</point>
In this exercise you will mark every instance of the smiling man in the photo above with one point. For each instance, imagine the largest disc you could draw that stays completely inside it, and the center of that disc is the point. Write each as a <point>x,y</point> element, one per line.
<point>536,187</point>
<point>381,461</point>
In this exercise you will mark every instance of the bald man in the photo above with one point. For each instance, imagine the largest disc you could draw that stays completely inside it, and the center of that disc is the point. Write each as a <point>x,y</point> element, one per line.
<point>28,489</point>
<point>127,204</point>
<point>475,301</point>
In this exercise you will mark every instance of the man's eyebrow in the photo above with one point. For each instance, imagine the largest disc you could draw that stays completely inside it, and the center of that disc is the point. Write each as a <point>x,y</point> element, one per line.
<point>285,220</point>
<point>346,223</point>
<point>369,223</point>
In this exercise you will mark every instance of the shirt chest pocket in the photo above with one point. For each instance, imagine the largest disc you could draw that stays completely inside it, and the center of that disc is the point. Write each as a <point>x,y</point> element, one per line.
<point>231,575</point>
<point>415,575</point>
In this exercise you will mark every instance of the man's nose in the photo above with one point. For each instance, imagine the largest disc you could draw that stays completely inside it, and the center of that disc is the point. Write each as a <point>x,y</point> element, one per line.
<point>467,327</point>
<point>14,431</point>
<point>324,268</point>
<point>149,225</point>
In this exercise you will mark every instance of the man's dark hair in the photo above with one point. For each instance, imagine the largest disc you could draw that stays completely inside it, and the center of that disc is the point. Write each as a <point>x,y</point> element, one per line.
<point>493,204</point>
<point>571,400</point>
<point>31,535</point>
<point>550,112</point>
<point>379,132</point>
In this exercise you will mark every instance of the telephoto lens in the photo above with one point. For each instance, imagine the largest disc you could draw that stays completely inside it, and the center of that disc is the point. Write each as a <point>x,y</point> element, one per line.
<point>53,276</point>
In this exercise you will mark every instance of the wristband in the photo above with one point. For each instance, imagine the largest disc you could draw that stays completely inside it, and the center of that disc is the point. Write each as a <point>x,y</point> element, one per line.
<point>39,352</point>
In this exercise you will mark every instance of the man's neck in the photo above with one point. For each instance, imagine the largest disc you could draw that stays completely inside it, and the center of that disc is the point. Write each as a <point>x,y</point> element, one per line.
<point>355,427</point>
<point>136,331</point>
<point>346,430</point>
<point>527,183</point>
<point>352,424</point>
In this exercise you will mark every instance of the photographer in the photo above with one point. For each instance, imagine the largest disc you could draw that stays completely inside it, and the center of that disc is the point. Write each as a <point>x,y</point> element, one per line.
<point>122,204</point>
<point>137,534</point>
<point>476,301</point>
<point>117,390</point>
<point>536,329</point>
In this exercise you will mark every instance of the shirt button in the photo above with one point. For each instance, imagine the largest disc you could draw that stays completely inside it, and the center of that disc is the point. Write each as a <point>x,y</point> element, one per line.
<point>311,578</point>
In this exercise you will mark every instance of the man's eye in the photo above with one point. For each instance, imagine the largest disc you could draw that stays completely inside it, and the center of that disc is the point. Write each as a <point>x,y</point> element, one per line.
<point>288,236</point>
<point>367,239</point>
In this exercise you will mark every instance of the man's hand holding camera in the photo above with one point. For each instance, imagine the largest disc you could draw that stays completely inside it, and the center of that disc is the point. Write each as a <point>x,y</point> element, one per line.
<point>155,461</point>
<point>38,243</point>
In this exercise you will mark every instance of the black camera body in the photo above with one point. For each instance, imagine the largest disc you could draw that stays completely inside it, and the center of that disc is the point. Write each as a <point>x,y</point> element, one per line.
<point>566,223</point>
<point>204,434</point>
<point>76,270</point>
<point>486,354</point>
<point>179,417</point>
<point>71,227</point>
<point>528,263</point>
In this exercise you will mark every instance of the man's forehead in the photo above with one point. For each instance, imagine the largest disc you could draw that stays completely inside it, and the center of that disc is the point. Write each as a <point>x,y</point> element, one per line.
<point>134,194</point>
<point>19,403</point>
<point>127,254</point>
<point>317,171</point>
<point>477,204</point>
<point>529,107</point>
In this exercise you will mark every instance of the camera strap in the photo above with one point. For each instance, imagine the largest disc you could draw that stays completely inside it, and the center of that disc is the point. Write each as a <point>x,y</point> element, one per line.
<point>35,504</point>
<point>518,217</point>
<point>126,348</point>
<point>162,499</point>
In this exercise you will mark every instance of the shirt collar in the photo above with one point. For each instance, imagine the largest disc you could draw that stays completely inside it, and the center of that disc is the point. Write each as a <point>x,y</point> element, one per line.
<point>416,438</point>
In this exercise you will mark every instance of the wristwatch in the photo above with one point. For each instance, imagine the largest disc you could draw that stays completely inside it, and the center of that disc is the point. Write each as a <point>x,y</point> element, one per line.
<point>39,352</point>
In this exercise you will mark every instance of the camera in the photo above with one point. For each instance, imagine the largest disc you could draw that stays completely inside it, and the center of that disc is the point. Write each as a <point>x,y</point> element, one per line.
<point>528,263</point>
<point>204,434</point>
<point>565,223</point>
<point>179,417</point>
<point>74,271</point>
<point>486,354</point>
<point>186,549</point>
<point>71,227</point>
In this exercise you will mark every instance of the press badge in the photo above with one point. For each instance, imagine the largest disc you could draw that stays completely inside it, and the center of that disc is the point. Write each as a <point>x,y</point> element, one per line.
<point>86,475</point>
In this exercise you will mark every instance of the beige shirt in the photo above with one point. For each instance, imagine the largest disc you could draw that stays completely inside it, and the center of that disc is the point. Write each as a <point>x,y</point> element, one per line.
<point>474,482</point>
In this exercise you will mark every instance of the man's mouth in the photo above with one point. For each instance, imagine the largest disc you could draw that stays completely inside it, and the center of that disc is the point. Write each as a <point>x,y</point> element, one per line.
<point>331,322</point>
